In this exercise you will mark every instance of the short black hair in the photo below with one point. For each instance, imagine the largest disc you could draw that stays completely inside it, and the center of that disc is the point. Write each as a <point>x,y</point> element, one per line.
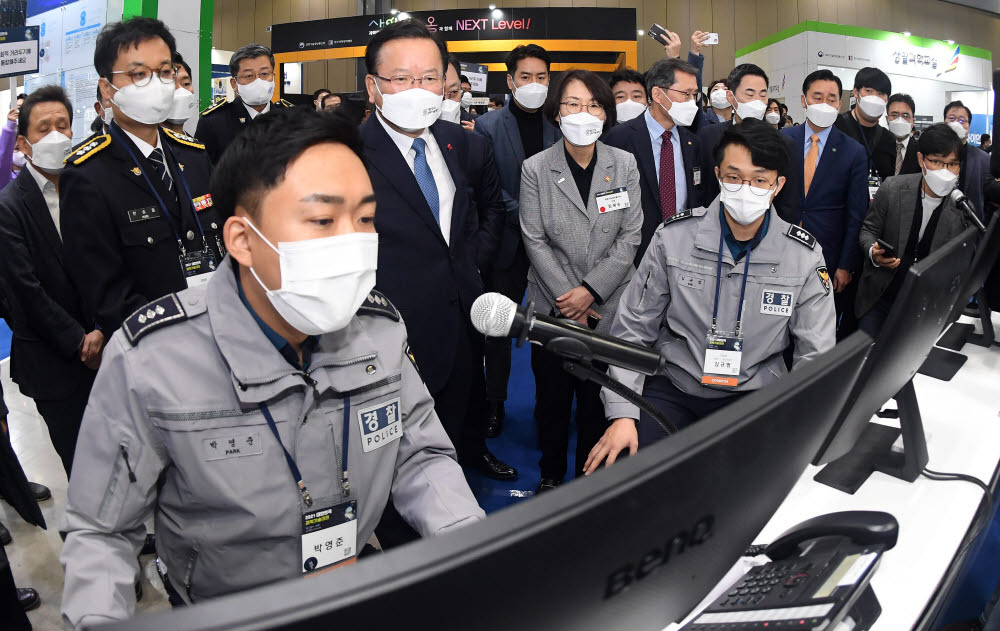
<point>821,75</point>
<point>744,70</point>
<point>179,60</point>
<point>497,98</point>
<point>873,78</point>
<point>524,52</point>
<point>405,29</point>
<point>463,79</point>
<point>902,98</point>
<point>322,101</point>
<point>21,96</point>
<point>953,104</point>
<point>628,76</point>
<point>250,51</point>
<point>117,37</point>
<point>257,159</point>
<point>320,91</point>
<point>939,140</point>
<point>985,137</point>
<point>45,94</point>
<point>717,82</point>
<point>766,145</point>
<point>597,87</point>
<point>663,73</point>
<point>783,108</point>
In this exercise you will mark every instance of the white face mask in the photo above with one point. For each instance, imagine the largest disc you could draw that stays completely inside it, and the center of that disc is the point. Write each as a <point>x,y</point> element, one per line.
<point>467,100</point>
<point>745,206</point>
<point>257,92</point>
<point>821,114</point>
<point>900,128</point>
<point>959,129</point>
<point>531,96</point>
<point>941,182</point>
<point>581,129</point>
<point>415,109</point>
<point>19,159</point>
<point>451,111</point>
<point>185,106</point>
<point>48,153</point>
<point>108,116</point>
<point>627,110</point>
<point>148,104</point>
<point>682,113</point>
<point>323,281</point>
<point>751,109</point>
<point>872,106</point>
<point>772,117</point>
<point>719,100</point>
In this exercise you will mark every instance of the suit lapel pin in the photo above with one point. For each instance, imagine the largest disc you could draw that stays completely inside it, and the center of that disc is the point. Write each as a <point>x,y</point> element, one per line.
<point>833,149</point>
<point>449,147</point>
<point>607,178</point>
<point>136,171</point>
<point>181,166</point>
<point>243,119</point>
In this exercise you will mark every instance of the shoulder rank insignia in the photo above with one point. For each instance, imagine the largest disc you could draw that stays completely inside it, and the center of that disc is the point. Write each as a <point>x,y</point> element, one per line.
<point>824,277</point>
<point>378,304</point>
<point>183,139</point>
<point>802,236</point>
<point>219,102</point>
<point>684,214</point>
<point>285,103</point>
<point>88,148</point>
<point>155,315</point>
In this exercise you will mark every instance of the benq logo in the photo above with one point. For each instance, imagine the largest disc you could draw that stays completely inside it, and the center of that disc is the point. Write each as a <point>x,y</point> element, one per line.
<point>622,578</point>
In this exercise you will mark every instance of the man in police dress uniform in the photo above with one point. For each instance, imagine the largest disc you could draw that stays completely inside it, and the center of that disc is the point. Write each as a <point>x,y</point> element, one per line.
<point>721,292</point>
<point>252,70</point>
<point>137,219</point>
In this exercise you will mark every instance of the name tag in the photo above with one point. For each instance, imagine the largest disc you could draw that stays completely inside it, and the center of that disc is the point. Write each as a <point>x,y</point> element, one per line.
<point>696,176</point>
<point>723,355</point>
<point>873,184</point>
<point>197,267</point>
<point>232,446</point>
<point>329,536</point>
<point>380,425</point>
<point>691,281</point>
<point>143,214</point>
<point>776,302</point>
<point>615,199</point>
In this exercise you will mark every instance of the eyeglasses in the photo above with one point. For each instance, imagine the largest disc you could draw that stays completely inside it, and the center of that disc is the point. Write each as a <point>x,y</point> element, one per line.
<point>687,95</point>
<point>759,185</point>
<point>939,164</point>
<point>904,115</point>
<point>574,107</point>
<point>247,77</point>
<point>961,120</point>
<point>142,75</point>
<point>451,94</point>
<point>404,81</point>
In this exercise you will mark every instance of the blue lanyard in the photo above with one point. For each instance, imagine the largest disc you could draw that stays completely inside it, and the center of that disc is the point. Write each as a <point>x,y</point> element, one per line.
<point>718,284</point>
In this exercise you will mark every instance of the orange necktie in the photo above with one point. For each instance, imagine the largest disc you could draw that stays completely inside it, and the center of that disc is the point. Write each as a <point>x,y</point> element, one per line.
<point>811,159</point>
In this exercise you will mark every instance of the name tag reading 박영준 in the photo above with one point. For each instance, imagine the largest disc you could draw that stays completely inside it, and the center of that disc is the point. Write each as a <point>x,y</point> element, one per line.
<point>329,536</point>
<point>615,199</point>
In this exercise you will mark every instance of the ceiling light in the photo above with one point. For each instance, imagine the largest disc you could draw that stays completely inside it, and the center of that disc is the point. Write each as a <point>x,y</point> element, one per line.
<point>641,32</point>
<point>497,13</point>
<point>492,6</point>
<point>404,16</point>
<point>394,11</point>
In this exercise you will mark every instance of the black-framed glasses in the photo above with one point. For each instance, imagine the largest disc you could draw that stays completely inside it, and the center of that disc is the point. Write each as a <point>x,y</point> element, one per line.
<point>142,75</point>
<point>759,185</point>
<point>575,107</point>
<point>954,167</point>
<point>250,75</point>
<point>404,81</point>
<point>688,96</point>
<point>961,120</point>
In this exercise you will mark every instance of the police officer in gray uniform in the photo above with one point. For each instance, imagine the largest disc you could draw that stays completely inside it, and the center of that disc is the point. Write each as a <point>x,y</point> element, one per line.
<point>721,292</point>
<point>263,418</point>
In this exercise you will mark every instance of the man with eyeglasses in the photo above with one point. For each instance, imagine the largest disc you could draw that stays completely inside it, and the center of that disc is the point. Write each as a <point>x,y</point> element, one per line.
<point>900,113</point>
<point>975,175</point>
<point>913,213</point>
<point>721,293</point>
<point>252,70</point>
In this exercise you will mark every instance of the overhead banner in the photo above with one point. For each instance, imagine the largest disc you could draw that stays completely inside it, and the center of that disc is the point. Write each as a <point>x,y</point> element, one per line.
<point>580,23</point>
<point>18,51</point>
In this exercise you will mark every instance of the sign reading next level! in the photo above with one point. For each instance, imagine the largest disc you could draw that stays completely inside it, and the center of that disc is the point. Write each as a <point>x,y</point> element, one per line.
<point>18,51</point>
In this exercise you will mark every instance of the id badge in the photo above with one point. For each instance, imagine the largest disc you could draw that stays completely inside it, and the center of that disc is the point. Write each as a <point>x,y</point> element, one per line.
<point>873,183</point>
<point>615,199</point>
<point>197,267</point>
<point>329,536</point>
<point>723,354</point>
<point>696,176</point>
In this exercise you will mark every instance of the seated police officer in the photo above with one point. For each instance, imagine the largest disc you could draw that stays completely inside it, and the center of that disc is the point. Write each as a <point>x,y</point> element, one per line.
<point>721,292</point>
<point>263,418</point>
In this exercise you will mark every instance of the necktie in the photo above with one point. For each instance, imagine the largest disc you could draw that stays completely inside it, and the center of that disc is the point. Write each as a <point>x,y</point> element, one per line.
<point>668,187</point>
<point>156,160</point>
<point>811,159</point>
<point>899,156</point>
<point>425,179</point>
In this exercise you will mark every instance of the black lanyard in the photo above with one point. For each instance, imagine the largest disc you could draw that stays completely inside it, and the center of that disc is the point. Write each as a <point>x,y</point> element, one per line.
<point>864,141</point>
<point>718,285</point>
<point>303,490</point>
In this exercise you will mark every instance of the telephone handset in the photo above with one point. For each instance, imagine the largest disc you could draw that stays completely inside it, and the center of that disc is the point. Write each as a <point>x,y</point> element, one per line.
<point>818,577</point>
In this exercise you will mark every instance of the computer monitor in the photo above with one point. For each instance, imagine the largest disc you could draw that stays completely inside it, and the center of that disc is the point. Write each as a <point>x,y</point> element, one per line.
<point>858,447</point>
<point>633,546</point>
<point>982,264</point>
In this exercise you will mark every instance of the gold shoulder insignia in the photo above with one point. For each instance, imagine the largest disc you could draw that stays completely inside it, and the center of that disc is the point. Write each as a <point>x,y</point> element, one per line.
<point>87,149</point>
<point>286,103</point>
<point>183,139</point>
<point>219,102</point>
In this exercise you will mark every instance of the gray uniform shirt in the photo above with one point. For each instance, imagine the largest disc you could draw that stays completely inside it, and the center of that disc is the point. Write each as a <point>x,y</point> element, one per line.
<point>188,371</point>
<point>668,304</point>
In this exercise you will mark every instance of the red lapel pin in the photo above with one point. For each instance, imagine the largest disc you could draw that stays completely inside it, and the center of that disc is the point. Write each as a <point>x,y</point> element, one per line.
<point>449,147</point>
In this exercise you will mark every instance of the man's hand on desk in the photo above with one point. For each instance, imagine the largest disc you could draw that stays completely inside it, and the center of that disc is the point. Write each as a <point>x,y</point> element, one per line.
<point>620,435</point>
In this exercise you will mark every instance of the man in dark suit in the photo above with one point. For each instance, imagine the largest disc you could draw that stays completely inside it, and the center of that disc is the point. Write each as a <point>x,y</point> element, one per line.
<point>427,227</point>
<point>137,219</point>
<point>913,213</point>
<point>516,133</point>
<point>834,195</point>
<point>54,351</point>
<point>975,162</point>
<point>252,70</point>
<point>664,147</point>
<point>900,112</point>
<point>872,88</point>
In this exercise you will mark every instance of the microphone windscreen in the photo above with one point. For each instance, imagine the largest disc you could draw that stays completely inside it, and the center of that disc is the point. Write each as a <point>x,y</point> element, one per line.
<point>493,314</point>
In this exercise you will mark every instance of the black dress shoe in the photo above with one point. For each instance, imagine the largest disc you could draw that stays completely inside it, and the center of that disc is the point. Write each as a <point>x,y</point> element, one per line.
<point>28,598</point>
<point>149,546</point>
<point>491,466</point>
<point>40,492</point>
<point>547,484</point>
<point>5,537</point>
<point>494,419</point>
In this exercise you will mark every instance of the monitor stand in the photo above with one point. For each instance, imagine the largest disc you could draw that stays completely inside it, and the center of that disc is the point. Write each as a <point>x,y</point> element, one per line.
<point>873,451</point>
<point>960,333</point>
